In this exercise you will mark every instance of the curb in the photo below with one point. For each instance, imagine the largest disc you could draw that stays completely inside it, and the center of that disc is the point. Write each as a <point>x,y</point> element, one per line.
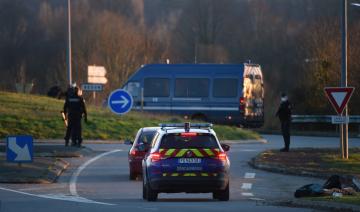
<point>60,141</point>
<point>275,169</point>
<point>51,174</point>
<point>318,205</point>
<point>57,169</point>
<point>248,141</point>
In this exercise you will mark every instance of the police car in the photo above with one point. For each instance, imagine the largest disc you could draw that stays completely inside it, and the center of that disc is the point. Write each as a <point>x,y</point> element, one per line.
<point>186,158</point>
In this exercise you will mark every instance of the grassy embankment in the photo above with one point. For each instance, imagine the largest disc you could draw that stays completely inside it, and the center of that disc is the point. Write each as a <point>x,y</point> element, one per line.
<point>40,117</point>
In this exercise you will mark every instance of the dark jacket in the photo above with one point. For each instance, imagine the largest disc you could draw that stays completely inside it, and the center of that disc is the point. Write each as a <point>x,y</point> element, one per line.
<point>284,111</point>
<point>75,107</point>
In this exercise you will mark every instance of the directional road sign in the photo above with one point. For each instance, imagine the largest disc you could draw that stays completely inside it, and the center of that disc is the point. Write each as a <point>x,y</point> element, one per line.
<point>92,87</point>
<point>96,74</point>
<point>19,149</point>
<point>120,102</point>
<point>339,97</point>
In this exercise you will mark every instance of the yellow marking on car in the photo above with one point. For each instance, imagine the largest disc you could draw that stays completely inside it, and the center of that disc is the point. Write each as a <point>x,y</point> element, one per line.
<point>169,152</point>
<point>181,152</point>
<point>209,152</point>
<point>197,153</point>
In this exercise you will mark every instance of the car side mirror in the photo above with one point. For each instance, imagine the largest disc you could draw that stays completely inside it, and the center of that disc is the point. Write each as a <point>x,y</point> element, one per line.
<point>128,142</point>
<point>225,147</point>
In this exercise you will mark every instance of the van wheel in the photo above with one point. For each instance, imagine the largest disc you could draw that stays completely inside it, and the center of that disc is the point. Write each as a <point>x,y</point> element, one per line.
<point>222,195</point>
<point>151,194</point>
<point>199,117</point>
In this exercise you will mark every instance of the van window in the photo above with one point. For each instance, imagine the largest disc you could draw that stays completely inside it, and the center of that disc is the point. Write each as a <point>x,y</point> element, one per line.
<point>133,88</point>
<point>156,87</point>
<point>225,88</point>
<point>191,87</point>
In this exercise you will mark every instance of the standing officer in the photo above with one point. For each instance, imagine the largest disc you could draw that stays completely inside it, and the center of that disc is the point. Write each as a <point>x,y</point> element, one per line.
<point>284,113</point>
<point>74,108</point>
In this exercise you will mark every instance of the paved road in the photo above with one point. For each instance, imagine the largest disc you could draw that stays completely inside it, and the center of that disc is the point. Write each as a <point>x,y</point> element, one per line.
<point>100,183</point>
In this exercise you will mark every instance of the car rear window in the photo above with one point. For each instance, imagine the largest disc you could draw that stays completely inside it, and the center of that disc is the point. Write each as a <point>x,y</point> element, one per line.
<point>181,141</point>
<point>146,137</point>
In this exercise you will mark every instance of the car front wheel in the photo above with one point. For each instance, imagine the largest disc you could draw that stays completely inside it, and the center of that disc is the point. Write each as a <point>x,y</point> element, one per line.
<point>144,191</point>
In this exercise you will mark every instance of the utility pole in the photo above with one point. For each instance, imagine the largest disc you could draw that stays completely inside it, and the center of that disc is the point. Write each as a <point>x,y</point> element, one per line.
<point>69,45</point>
<point>344,127</point>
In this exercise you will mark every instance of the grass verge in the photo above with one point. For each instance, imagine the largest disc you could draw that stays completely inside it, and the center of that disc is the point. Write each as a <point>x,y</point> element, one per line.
<point>40,117</point>
<point>313,162</point>
<point>354,200</point>
<point>324,162</point>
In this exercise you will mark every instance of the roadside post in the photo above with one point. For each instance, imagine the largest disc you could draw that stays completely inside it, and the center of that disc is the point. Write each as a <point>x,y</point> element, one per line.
<point>120,102</point>
<point>339,97</point>
<point>19,149</point>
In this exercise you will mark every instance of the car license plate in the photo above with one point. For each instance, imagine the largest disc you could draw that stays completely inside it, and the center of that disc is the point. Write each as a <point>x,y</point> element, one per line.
<point>189,160</point>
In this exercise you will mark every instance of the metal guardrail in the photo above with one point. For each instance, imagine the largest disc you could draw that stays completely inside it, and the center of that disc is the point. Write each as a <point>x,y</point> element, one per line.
<point>319,119</point>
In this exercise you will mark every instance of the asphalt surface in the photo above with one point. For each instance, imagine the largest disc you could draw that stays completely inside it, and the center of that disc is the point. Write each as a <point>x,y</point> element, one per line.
<point>99,182</point>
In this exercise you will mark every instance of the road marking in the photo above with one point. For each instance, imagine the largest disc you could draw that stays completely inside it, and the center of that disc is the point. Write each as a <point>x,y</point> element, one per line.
<point>42,188</point>
<point>256,199</point>
<point>246,186</point>
<point>247,194</point>
<point>74,177</point>
<point>247,150</point>
<point>249,175</point>
<point>57,197</point>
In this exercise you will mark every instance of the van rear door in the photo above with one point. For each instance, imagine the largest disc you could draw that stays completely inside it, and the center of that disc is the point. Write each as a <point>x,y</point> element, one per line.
<point>225,98</point>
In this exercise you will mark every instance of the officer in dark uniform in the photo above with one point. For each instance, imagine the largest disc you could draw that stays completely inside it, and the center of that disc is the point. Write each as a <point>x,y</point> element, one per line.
<point>74,108</point>
<point>284,113</point>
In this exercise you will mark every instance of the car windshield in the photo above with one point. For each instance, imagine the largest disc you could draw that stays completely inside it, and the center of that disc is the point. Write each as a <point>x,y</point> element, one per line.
<point>190,140</point>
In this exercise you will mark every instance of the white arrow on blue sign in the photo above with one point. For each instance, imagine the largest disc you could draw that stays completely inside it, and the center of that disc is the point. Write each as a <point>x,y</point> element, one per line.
<point>19,149</point>
<point>120,101</point>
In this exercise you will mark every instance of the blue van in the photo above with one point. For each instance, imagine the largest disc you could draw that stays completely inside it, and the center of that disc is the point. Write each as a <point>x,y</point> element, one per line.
<point>221,93</point>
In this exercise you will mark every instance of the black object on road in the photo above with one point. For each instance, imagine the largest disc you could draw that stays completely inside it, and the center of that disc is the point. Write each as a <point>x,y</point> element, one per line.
<point>347,185</point>
<point>310,190</point>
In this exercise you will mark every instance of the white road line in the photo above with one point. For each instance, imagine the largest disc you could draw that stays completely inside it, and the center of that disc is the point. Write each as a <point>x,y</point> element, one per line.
<point>247,150</point>
<point>42,188</point>
<point>246,186</point>
<point>74,177</point>
<point>57,197</point>
<point>247,194</point>
<point>74,197</point>
<point>249,175</point>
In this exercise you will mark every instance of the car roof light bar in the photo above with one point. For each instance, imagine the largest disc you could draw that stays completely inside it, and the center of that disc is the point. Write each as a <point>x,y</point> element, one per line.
<point>187,125</point>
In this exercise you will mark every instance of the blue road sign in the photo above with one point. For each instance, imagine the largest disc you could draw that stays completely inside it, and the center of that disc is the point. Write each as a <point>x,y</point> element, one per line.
<point>120,101</point>
<point>19,149</point>
<point>92,87</point>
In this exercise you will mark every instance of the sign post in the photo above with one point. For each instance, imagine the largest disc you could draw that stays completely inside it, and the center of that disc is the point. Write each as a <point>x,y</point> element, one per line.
<point>339,97</point>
